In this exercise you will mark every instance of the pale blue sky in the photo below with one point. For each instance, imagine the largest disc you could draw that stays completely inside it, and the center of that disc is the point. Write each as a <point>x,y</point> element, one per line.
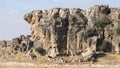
<point>12,12</point>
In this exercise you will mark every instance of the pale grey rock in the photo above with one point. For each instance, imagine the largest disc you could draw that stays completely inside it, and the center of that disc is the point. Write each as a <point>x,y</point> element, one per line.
<point>61,31</point>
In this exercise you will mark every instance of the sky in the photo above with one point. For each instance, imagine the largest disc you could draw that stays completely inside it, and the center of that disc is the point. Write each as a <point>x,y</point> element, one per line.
<point>13,25</point>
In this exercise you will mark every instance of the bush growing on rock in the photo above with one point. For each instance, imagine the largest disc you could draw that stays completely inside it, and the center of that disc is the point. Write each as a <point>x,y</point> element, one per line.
<point>40,50</point>
<point>89,33</point>
<point>37,49</point>
<point>102,22</point>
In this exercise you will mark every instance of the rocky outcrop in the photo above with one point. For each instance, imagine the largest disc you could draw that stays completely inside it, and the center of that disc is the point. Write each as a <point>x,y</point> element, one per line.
<point>57,28</point>
<point>61,30</point>
<point>93,13</point>
<point>21,44</point>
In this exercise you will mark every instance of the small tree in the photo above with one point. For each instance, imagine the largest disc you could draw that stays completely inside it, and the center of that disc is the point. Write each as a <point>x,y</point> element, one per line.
<point>101,23</point>
<point>89,33</point>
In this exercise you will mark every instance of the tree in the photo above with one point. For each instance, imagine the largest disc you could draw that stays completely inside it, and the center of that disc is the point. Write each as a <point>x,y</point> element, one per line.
<point>101,23</point>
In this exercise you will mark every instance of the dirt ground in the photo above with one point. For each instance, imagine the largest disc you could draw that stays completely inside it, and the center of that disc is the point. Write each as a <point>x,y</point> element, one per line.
<point>20,61</point>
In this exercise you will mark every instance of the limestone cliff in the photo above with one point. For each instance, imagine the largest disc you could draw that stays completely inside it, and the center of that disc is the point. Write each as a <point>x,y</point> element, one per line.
<point>64,28</point>
<point>63,31</point>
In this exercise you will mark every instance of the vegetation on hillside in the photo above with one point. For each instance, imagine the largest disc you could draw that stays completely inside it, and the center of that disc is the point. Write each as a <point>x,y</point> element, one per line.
<point>89,33</point>
<point>40,50</point>
<point>102,22</point>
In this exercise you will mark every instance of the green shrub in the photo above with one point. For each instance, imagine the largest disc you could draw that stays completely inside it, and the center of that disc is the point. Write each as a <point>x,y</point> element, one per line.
<point>89,33</point>
<point>118,30</point>
<point>37,49</point>
<point>102,22</point>
<point>40,50</point>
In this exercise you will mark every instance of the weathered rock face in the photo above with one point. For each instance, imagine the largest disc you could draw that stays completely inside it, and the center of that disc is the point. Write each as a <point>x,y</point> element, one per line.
<point>62,29</point>
<point>21,44</point>
<point>49,28</point>
<point>116,44</point>
<point>57,28</point>
<point>92,14</point>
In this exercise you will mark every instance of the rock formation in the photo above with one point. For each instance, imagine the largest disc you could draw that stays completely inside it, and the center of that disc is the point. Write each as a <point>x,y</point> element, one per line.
<point>62,31</point>
<point>20,44</point>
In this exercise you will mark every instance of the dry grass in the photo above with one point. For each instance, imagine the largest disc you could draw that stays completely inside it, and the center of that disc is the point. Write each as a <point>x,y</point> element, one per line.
<point>109,58</point>
<point>20,61</point>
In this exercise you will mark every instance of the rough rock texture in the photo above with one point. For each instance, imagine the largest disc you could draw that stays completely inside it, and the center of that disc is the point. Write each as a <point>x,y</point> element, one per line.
<point>21,44</point>
<point>57,28</point>
<point>61,30</point>
<point>93,13</point>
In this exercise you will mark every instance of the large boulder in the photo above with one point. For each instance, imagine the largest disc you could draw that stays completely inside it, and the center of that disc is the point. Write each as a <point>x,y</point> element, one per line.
<point>91,46</point>
<point>116,44</point>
